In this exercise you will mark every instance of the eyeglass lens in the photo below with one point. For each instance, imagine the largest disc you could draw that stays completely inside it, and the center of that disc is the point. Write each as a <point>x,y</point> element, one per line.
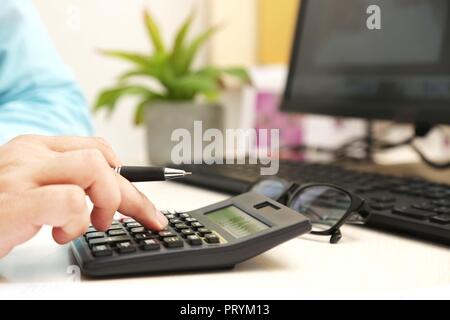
<point>273,189</point>
<point>323,205</point>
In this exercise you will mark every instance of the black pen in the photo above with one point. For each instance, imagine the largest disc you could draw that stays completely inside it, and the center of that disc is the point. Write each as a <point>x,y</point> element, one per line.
<point>143,174</point>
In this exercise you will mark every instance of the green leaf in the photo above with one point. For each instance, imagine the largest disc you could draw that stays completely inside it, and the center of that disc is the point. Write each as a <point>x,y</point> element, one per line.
<point>239,73</point>
<point>154,33</point>
<point>140,111</point>
<point>141,60</point>
<point>195,83</point>
<point>179,42</point>
<point>108,98</point>
<point>192,49</point>
<point>136,73</point>
<point>209,71</point>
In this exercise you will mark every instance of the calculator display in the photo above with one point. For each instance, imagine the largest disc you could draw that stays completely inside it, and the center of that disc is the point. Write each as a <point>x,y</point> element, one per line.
<point>236,222</point>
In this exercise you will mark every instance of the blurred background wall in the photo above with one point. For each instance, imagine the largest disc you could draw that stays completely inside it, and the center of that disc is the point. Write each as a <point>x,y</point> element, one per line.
<point>254,33</point>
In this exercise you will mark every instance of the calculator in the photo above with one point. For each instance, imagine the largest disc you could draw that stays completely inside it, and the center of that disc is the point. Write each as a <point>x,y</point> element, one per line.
<point>214,237</point>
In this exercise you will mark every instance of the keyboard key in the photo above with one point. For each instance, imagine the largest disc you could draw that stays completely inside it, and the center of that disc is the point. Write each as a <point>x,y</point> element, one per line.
<point>194,240</point>
<point>187,232</point>
<point>126,247</point>
<point>441,219</point>
<point>118,232</point>
<point>91,229</point>
<point>212,238</point>
<point>173,222</point>
<point>127,220</point>
<point>173,242</point>
<point>381,206</point>
<point>170,216</point>
<point>144,236</point>
<point>95,235</point>
<point>203,231</point>
<point>165,234</point>
<point>441,203</point>
<point>102,250</point>
<point>189,221</point>
<point>131,225</point>
<point>183,216</point>
<point>196,225</point>
<point>383,199</point>
<point>413,213</point>
<point>115,227</point>
<point>442,210</point>
<point>138,230</point>
<point>181,226</point>
<point>108,240</point>
<point>427,206</point>
<point>150,244</point>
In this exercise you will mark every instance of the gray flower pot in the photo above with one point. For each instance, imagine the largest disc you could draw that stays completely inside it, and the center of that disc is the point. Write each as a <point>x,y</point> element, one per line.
<point>162,118</point>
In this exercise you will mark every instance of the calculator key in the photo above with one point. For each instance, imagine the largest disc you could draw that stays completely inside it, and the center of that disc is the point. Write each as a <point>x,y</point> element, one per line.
<point>102,250</point>
<point>181,226</point>
<point>126,247</point>
<point>115,227</point>
<point>91,229</point>
<point>173,222</point>
<point>118,232</point>
<point>173,242</point>
<point>95,235</point>
<point>108,240</point>
<point>194,240</point>
<point>196,225</point>
<point>211,238</point>
<point>203,231</point>
<point>138,230</point>
<point>183,216</point>
<point>170,216</point>
<point>187,232</point>
<point>144,236</point>
<point>133,225</point>
<point>127,220</point>
<point>189,221</point>
<point>165,234</point>
<point>150,244</point>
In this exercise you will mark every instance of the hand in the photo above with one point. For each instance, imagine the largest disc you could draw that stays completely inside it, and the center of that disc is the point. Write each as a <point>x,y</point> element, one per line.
<point>44,181</point>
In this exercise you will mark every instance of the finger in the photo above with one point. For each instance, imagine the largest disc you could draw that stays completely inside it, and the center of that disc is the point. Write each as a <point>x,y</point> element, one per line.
<point>89,170</point>
<point>66,143</point>
<point>136,205</point>
<point>61,206</point>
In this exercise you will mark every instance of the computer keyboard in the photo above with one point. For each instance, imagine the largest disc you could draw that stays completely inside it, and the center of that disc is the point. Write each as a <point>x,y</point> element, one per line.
<point>412,206</point>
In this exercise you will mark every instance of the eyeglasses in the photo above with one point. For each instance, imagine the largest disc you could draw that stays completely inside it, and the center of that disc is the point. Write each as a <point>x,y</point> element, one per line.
<point>326,205</point>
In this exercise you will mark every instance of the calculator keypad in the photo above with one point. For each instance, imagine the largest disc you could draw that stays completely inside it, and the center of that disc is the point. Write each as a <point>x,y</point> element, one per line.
<point>128,236</point>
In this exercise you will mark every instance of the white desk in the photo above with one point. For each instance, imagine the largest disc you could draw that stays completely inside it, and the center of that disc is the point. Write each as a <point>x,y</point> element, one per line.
<point>364,264</point>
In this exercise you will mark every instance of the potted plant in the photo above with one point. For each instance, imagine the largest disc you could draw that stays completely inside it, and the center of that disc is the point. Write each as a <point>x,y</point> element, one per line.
<point>183,93</point>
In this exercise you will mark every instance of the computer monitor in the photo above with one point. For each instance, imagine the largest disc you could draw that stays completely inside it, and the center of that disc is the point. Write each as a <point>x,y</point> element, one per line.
<point>400,72</point>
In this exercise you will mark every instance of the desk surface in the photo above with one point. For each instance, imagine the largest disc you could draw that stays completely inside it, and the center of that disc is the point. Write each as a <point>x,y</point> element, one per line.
<point>366,263</point>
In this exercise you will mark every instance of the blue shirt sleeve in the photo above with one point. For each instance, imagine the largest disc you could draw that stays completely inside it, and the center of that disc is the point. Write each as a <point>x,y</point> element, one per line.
<point>38,94</point>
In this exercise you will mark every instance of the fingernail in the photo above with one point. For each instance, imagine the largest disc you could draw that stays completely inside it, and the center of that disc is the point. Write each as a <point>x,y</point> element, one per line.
<point>161,219</point>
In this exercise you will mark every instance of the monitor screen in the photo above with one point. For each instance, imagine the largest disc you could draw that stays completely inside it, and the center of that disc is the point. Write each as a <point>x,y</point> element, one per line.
<point>401,71</point>
<point>236,222</point>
